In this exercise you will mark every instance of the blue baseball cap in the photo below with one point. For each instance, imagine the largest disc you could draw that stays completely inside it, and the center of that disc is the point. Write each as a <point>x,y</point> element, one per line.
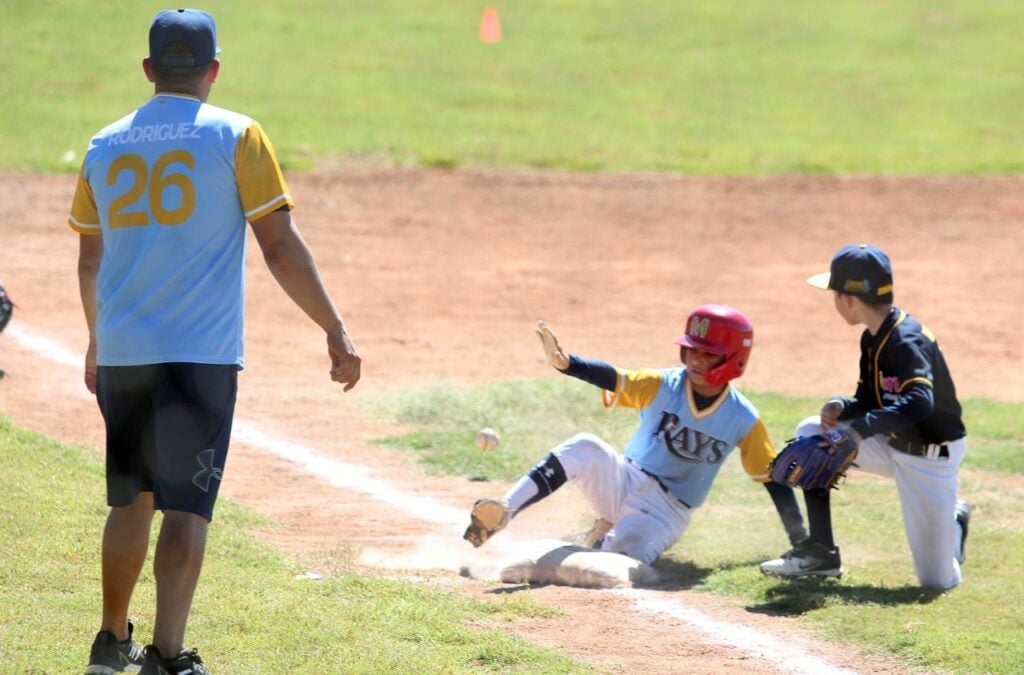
<point>193,27</point>
<point>858,269</point>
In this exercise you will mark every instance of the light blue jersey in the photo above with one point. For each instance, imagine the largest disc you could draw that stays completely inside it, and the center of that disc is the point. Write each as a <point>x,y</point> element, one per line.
<point>684,447</point>
<point>170,188</point>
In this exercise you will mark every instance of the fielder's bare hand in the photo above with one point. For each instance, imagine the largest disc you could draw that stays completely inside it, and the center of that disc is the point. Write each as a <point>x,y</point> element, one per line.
<point>345,360</point>
<point>830,414</point>
<point>556,357</point>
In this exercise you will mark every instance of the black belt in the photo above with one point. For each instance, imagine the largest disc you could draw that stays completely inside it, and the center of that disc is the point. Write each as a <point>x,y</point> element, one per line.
<point>919,449</point>
<point>660,484</point>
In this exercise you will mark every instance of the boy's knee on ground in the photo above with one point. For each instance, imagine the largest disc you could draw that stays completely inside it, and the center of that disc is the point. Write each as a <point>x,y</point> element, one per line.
<point>632,544</point>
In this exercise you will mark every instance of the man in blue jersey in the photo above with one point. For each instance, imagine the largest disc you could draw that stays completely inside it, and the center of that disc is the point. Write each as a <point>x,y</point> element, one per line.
<point>691,419</point>
<point>905,417</point>
<point>161,206</point>
<point>6,310</point>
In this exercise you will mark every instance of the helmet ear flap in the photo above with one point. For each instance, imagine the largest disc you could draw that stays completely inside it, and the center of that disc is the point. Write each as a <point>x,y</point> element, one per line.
<point>723,372</point>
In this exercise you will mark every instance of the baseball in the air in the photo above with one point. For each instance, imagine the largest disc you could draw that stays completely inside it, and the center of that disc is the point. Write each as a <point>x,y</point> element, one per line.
<point>487,439</point>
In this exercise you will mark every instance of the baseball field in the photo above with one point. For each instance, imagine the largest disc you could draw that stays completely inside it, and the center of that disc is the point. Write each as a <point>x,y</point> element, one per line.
<point>605,167</point>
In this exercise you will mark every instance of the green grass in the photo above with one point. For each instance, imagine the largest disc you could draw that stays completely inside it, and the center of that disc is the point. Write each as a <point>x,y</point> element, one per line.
<point>250,615</point>
<point>976,628</point>
<point>996,430</point>
<point>445,420</point>
<point>705,87</point>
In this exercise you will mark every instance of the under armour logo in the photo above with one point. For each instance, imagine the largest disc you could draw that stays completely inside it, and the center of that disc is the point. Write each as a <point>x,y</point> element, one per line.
<point>208,471</point>
<point>549,472</point>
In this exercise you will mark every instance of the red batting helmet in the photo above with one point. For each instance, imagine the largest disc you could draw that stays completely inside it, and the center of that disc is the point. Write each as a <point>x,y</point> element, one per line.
<point>720,330</point>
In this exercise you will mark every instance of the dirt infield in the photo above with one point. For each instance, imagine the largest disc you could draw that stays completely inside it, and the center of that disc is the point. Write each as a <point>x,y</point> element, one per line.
<point>442,274</point>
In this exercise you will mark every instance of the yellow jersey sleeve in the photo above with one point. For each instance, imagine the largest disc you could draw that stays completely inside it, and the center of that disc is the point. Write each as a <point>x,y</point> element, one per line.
<point>84,218</point>
<point>261,183</point>
<point>757,452</point>
<point>634,389</point>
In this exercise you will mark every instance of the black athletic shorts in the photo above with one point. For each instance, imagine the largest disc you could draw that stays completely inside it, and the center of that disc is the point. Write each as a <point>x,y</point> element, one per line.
<point>168,427</point>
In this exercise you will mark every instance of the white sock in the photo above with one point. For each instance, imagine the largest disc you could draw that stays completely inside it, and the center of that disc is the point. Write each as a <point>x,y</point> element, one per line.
<point>520,494</point>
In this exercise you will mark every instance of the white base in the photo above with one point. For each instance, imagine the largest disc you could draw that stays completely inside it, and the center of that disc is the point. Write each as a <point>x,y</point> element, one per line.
<point>552,561</point>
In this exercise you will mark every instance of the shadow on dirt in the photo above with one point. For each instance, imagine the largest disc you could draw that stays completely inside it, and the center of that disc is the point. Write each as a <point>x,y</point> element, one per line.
<point>678,575</point>
<point>790,598</point>
<point>785,597</point>
<point>508,589</point>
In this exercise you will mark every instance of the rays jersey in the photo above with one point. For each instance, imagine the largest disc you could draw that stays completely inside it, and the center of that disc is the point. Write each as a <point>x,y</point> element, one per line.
<point>683,447</point>
<point>170,188</point>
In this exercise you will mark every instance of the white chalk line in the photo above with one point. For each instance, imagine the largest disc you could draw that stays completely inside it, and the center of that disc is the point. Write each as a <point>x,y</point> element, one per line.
<point>44,346</point>
<point>357,478</point>
<point>788,659</point>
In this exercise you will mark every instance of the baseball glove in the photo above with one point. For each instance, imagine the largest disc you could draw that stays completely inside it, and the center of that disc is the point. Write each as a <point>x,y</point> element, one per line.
<point>6,308</point>
<point>817,461</point>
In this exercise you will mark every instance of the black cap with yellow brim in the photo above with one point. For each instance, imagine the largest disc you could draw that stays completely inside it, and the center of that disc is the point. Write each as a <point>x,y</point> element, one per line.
<point>858,269</point>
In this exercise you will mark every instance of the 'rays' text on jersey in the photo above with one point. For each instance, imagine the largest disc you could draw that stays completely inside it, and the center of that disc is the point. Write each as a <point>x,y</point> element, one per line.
<point>690,445</point>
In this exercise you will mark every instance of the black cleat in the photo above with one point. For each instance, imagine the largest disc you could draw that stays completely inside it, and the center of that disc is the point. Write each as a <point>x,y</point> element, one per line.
<point>110,655</point>
<point>185,663</point>
<point>963,517</point>
<point>804,560</point>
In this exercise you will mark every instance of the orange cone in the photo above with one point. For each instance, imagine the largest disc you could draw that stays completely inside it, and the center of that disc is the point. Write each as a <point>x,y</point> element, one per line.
<point>490,25</point>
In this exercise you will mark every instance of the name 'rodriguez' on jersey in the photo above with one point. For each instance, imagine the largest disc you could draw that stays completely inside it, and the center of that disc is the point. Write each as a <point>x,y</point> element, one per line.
<point>154,132</point>
<point>137,187</point>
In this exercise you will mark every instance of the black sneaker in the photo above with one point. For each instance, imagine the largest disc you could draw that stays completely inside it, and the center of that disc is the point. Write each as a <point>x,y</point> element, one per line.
<point>806,559</point>
<point>963,517</point>
<point>185,663</point>
<point>110,655</point>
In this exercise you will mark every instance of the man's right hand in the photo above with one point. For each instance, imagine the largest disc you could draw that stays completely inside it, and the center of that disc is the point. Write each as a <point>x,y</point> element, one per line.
<point>346,364</point>
<point>556,357</point>
<point>90,368</point>
<point>830,414</point>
